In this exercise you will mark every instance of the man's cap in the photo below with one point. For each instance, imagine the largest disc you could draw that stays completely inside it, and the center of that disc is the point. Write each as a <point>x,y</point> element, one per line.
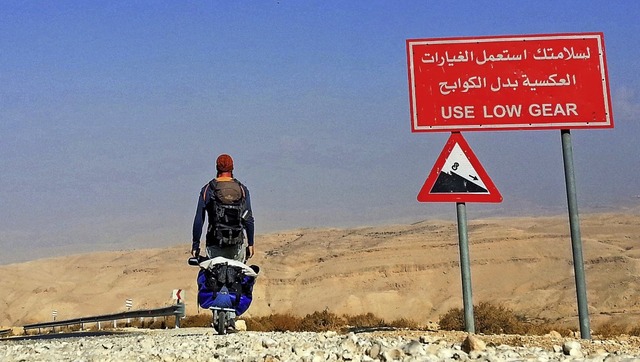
<point>224,163</point>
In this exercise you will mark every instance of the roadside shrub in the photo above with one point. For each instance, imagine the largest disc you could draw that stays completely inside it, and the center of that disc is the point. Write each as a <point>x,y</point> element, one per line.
<point>71,328</point>
<point>256,324</point>
<point>198,320</point>
<point>609,329</point>
<point>488,319</point>
<point>274,323</point>
<point>322,322</point>
<point>544,327</point>
<point>141,322</point>
<point>404,323</point>
<point>368,320</point>
<point>452,320</point>
<point>91,327</point>
<point>635,331</point>
<point>158,324</point>
<point>169,322</point>
<point>496,319</point>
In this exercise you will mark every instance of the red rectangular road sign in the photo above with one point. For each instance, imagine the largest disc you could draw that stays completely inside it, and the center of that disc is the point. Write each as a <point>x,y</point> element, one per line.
<point>555,81</point>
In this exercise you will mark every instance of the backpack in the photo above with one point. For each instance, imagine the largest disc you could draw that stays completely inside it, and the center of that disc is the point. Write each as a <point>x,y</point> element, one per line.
<point>226,208</point>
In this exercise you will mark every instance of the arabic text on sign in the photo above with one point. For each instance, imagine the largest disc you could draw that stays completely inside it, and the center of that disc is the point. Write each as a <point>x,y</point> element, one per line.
<point>504,56</point>
<point>477,82</point>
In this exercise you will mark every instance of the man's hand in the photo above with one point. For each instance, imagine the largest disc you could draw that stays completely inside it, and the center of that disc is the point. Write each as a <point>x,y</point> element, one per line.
<point>249,252</point>
<point>195,249</point>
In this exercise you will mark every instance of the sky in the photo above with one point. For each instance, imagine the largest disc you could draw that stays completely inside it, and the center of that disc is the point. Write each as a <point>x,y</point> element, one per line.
<point>112,114</point>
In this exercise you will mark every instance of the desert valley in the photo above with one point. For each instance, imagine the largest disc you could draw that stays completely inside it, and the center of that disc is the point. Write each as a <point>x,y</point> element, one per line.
<point>398,271</point>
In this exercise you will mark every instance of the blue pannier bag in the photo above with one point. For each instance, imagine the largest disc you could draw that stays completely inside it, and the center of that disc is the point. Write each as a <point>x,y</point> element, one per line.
<point>226,283</point>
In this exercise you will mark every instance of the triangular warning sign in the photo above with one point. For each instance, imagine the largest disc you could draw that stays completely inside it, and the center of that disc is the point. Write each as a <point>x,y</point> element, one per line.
<point>458,176</point>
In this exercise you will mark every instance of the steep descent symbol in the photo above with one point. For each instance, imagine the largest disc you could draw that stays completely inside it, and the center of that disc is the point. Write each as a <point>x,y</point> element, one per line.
<point>458,176</point>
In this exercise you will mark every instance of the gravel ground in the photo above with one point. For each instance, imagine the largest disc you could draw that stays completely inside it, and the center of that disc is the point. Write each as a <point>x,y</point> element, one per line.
<point>620,345</point>
<point>202,344</point>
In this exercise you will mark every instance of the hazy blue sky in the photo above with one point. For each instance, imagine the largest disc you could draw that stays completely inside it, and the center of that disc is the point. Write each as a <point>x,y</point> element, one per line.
<point>112,114</point>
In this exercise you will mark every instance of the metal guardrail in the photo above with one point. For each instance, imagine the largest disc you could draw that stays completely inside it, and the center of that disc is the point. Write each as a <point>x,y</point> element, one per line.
<point>176,310</point>
<point>5,331</point>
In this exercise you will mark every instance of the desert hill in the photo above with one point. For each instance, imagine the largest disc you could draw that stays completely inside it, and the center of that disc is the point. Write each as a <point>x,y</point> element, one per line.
<point>400,271</point>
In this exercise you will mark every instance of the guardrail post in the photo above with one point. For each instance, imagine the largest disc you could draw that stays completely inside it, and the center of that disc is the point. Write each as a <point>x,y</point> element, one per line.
<point>180,312</point>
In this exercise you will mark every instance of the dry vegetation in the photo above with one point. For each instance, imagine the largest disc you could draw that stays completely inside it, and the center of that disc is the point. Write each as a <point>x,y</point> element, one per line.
<point>489,318</point>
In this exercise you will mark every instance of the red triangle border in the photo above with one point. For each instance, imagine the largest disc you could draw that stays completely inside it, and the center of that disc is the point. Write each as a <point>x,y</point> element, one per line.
<point>425,194</point>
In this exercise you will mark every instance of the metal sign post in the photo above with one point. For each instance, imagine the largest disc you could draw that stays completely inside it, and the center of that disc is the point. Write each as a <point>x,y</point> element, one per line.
<point>465,268</point>
<point>576,241</point>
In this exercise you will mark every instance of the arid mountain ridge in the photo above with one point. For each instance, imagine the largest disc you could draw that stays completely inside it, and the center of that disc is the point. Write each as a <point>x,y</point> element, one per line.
<point>394,271</point>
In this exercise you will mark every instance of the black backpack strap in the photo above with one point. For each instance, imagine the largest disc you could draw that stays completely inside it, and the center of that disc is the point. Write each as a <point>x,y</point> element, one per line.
<point>207,190</point>
<point>244,196</point>
<point>210,189</point>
